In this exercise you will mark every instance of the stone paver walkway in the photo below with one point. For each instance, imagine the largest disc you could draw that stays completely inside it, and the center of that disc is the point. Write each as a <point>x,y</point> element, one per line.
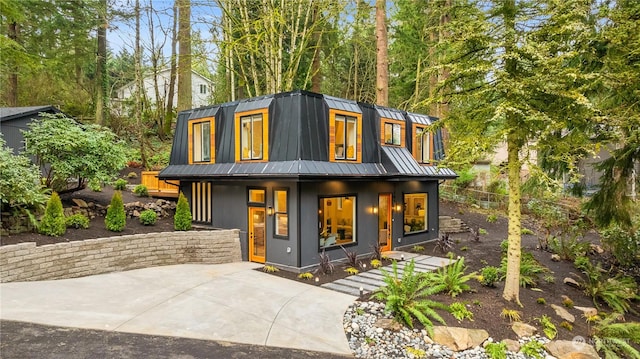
<point>373,279</point>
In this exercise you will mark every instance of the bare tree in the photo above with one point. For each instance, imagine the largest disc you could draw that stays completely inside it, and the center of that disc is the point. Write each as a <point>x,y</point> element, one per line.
<point>382,58</point>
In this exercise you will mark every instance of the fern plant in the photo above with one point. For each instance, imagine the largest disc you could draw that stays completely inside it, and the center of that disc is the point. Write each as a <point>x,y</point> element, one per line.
<point>530,269</point>
<point>615,339</point>
<point>616,292</point>
<point>452,278</point>
<point>407,297</point>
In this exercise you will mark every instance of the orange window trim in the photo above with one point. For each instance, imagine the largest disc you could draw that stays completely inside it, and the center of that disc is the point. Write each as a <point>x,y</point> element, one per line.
<point>414,147</point>
<point>212,143</point>
<point>332,137</point>
<point>403,132</point>
<point>265,134</point>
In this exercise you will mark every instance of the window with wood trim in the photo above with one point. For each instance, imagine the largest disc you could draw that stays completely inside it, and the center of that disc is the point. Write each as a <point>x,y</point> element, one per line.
<point>345,136</point>
<point>281,212</point>
<point>422,145</point>
<point>252,136</point>
<point>392,132</point>
<point>201,140</point>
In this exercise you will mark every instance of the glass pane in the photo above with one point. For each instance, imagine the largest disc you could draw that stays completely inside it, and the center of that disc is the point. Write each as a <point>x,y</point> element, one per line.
<point>257,138</point>
<point>339,137</point>
<point>197,142</point>
<point>388,133</point>
<point>415,212</point>
<point>396,134</point>
<point>282,228</point>
<point>418,140</point>
<point>337,224</point>
<point>245,138</point>
<point>426,146</point>
<point>256,195</point>
<point>280,201</point>
<point>351,139</point>
<point>206,142</point>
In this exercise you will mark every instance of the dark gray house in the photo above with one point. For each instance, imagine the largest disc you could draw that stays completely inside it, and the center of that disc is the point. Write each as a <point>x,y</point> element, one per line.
<point>14,120</point>
<point>301,172</point>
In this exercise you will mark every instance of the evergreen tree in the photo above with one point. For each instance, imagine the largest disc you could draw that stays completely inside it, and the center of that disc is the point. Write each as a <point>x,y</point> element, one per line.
<point>53,223</point>
<point>116,218</point>
<point>182,219</point>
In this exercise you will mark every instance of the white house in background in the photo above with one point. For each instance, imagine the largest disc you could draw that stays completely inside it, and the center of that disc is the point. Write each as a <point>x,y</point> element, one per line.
<point>201,91</point>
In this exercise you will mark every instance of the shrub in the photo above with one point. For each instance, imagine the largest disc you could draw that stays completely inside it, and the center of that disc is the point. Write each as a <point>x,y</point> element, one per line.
<point>452,278</point>
<point>541,301</point>
<point>615,339</point>
<point>530,269</point>
<point>120,184</point>
<point>182,218</point>
<point>116,219</point>
<point>496,350</point>
<point>148,217</point>
<point>548,328</point>
<point>406,297</point>
<point>617,292</point>
<point>132,175</point>
<point>492,218</point>
<point>623,245</point>
<point>533,349</point>
<point>568,248</point>
<point>305,276</point>
<point>141,190</point>
<point>474,234</point>
<point>443,243</point>
<point>95,185</point>
<point>53,223</point>
<point>352,257</point>
<point>511,314</point>
<point>489,275</point>
<point>465,178</point>
<point>352,271</point>
<point>376,251</point>
<point>270,269</point>
<point>77,221</point>
<point>460,312</point>
<point>417,249</point>
<point>324,263</point>
<point>18,178</point>
<point>376,263</point>
<point>566,325</point>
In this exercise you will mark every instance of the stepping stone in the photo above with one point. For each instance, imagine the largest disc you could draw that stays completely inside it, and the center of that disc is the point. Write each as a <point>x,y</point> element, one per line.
<point>342,288</point>
<point>372,276</point>
<point>357,285</point>
<point>436,261</point>
<point>365,280</point>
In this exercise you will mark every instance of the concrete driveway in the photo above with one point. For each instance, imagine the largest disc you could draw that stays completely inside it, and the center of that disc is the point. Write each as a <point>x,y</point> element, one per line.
<point>225,302</point>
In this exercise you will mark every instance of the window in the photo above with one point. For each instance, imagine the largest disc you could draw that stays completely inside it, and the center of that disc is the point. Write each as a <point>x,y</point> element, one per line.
<point>203,88</point>
<point>252,136</point>
<point>281,212</point>
<point>336,216</point>
<point>257,196</point>
<point>415,212</point>
<point>201,140</point>
<point>345,137</point>
<point>422,145</point>
<point>392,132</point>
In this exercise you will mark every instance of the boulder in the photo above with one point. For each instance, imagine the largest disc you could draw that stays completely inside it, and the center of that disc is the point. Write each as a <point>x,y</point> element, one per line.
<point>512,345</point>
<point>523,330</point>
<point>458,339</point>
<point>80,203</point>
<point>587,311</point>
<point>571,349</point>
<point>389,324</point>
<point>563,313</point>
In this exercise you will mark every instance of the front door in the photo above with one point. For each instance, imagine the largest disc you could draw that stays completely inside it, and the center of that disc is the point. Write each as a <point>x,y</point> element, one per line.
<point>257,237</point>
<point>384,221</point>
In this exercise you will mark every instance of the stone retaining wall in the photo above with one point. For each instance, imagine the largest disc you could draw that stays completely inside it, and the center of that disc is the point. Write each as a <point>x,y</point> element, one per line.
<point>26,262</point>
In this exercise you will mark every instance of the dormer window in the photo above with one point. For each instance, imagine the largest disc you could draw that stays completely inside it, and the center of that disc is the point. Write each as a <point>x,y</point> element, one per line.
<point>422,150</point>
<point>392,132</point>
<point>345,131</point>
<point>201,140</point>
<point>252,136</point>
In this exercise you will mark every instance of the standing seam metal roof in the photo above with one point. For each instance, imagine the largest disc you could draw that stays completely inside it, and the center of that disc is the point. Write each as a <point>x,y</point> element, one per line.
<point>342,104</point>
<point>204,112</point>
<point>255,104</point>
<point>421,119</point>
<point>390,113</point>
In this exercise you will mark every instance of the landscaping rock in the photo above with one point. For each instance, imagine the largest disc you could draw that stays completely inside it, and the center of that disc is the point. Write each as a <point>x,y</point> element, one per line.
<point>523,330</point>
<point>567,349</point>
<point>563,313</point>
<point>459,338</point>
<point>389,324</point>
<point>555,258</point>
<point>571,282</point>
<point>512,345</point>
<point>80,203</point>
<point>587,311</point>
<point>595,248</point>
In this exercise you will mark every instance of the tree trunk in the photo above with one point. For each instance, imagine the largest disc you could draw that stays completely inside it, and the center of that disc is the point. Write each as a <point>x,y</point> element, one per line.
<point>12,89</point>
<point>101,65</point>
<point>316,77</point>
<point>382,58</point>
<point>184,56</point>
<point>168,120</point>
<point>139,88</point>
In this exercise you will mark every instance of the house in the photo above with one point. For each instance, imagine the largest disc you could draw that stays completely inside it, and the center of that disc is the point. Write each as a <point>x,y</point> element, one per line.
<point>14,120</point>
<point>300,173</point>
<point>201,91</point>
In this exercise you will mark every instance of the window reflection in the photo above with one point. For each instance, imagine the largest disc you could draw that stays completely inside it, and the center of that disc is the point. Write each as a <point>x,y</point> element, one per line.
<point>337,220</point>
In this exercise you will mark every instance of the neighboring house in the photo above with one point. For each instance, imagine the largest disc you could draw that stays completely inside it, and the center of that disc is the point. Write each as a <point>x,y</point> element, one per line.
<point>201,91</point>
<point>300,173</point>
<point>14,120</point>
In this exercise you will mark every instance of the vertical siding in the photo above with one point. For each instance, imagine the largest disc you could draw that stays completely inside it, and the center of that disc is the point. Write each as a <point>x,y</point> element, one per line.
<point>284,123</point>
<point>314,128</point>
<point>180,148</point>
<point>370,135</point>
<point>225,134</point>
